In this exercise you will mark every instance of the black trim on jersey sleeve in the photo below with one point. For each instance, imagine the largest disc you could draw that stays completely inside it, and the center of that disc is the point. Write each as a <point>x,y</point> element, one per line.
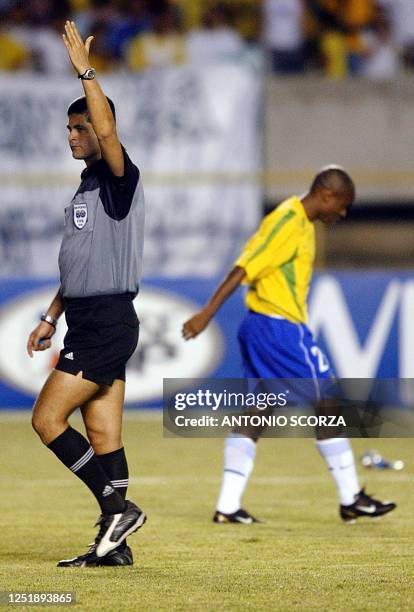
<point>117,192</point>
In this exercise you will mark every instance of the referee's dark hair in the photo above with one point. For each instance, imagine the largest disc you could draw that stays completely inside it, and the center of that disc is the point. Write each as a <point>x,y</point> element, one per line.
<point>80,106</point>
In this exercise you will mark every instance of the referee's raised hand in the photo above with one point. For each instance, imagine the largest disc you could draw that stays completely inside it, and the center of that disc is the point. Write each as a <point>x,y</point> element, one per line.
<point>78,51</point>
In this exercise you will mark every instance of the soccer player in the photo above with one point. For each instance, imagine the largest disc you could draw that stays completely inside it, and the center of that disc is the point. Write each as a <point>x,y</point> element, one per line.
<point>275,341</point>
<point>100,265</point>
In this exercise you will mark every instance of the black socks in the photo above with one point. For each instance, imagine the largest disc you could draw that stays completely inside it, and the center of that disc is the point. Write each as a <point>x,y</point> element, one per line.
<point>78,455</point>
<point>115,466</point>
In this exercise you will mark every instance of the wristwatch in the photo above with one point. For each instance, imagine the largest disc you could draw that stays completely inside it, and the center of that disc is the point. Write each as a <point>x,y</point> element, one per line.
<point>88,75</point>
<point>49,319</point>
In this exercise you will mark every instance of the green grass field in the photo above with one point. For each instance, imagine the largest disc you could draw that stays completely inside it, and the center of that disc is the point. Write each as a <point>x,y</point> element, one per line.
<point>303,558</point>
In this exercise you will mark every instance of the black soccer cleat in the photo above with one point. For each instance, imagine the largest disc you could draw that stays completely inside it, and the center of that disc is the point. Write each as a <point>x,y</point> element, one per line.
<point>364,505</point>
<point>115,528</point>
<point>122,555</point>
<point>89,559</point>
<point>240,516</point>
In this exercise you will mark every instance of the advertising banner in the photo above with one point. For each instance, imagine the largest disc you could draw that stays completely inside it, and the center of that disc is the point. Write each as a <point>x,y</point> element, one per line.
<point>362,321</point>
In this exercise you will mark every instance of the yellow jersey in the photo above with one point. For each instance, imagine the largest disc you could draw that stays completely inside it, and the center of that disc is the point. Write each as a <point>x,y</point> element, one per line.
<point>278,262</point>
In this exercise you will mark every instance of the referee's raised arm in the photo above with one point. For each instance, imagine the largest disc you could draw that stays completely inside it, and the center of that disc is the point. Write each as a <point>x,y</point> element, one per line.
<point>100,113</point>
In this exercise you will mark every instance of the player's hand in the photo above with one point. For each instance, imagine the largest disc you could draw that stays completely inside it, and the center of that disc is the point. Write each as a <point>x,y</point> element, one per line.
<point>39,339</point>
<point>195,325</point>
<point>77,50</point>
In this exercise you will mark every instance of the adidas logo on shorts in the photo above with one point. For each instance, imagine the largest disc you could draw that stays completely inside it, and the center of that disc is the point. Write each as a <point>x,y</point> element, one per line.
<point>69,356</point>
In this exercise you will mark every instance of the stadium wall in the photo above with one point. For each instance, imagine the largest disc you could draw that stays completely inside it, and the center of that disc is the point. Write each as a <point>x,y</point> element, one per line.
<point>362,125</point>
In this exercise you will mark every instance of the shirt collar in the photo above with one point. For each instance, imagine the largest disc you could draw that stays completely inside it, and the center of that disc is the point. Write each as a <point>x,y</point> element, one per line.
<point>88,171</point>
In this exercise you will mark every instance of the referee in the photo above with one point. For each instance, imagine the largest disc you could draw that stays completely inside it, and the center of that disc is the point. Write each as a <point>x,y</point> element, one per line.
<point>100,264</point>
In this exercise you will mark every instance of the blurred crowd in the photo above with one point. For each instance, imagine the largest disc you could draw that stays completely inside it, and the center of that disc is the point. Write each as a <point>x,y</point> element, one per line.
<point>370,38</point>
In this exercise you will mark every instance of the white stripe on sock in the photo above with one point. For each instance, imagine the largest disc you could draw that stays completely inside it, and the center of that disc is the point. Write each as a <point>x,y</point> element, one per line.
<point>119,484</point>
<point>84,459</point>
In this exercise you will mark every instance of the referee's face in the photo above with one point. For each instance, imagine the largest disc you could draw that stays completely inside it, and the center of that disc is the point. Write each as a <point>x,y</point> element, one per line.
<point>82,138</point>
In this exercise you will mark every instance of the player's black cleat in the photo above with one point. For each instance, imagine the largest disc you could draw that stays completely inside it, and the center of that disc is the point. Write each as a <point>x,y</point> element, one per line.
<point>240,516</point>
<point>89,559</point>
<point>115,528</point>
<point>121,555</point>
<point>109,547</point>
<point>364,505</point>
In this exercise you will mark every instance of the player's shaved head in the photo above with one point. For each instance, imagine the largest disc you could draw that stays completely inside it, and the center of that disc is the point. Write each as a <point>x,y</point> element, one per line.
<point>336,180</point>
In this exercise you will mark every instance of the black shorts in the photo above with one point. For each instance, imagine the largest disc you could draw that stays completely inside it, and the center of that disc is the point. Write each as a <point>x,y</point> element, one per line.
<point>102,335</point>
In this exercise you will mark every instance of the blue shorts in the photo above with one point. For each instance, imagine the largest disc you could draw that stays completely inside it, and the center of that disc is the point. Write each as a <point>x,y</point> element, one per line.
<point>279,349</point>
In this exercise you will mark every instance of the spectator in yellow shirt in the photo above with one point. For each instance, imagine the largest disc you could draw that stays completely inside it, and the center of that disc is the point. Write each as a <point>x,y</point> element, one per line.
<point>13,54</point>
<point>162,47</point>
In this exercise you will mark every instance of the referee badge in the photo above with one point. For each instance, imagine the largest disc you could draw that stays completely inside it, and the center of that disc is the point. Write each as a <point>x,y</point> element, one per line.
<point>80,215</point>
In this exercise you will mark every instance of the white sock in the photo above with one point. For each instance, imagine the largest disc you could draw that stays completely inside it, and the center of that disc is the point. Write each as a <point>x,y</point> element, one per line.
<point>239,454</point>
<point>339,458</point>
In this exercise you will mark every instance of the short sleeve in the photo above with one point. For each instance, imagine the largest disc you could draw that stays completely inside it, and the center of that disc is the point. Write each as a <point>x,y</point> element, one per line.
<point>117,192</point>
<point>273,245</point>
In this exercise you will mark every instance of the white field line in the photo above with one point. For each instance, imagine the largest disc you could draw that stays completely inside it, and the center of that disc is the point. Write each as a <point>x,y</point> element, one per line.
<point>182,480</point>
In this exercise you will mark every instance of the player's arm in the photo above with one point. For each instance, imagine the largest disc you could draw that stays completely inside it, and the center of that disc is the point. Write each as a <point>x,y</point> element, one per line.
<point>40,337</point>
<point>100,113</point>
<point>199,321</point>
